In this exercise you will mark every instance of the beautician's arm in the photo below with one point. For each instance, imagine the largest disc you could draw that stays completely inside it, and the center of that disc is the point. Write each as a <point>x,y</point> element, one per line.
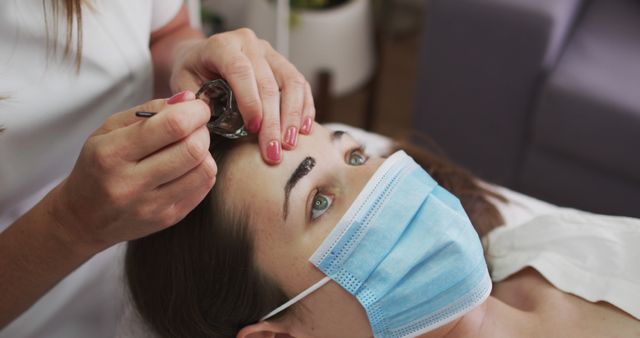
<point>133,177</point>
<point>273,97</point>
<point>165,44</point>
<point>35,253</point>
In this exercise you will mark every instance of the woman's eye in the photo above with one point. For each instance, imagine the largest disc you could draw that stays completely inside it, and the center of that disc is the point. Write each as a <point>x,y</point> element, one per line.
<point>357,157</point>
<point>320,205</point>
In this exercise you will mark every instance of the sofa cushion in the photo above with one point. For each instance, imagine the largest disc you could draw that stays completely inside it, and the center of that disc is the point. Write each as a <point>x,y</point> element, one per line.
<point>565,182</point>
<point>479,66</point>
<point>589,108</point>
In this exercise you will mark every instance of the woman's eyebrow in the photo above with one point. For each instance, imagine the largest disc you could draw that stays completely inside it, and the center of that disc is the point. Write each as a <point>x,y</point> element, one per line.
<point>303,169</point>
<point>337,135</point>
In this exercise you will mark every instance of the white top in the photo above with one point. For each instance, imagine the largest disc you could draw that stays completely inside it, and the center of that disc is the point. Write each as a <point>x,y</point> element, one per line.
<point>49,113</point>
<point>591,256</point>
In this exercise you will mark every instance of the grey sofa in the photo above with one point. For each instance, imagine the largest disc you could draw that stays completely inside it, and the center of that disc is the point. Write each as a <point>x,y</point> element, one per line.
<point>539,95</point>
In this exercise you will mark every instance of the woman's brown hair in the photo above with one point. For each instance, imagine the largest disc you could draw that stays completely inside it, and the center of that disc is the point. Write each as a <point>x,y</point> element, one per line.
<point>199,278</point>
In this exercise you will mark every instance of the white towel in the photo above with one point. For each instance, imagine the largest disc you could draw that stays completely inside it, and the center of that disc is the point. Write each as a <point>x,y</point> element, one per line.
<point>594,257</point>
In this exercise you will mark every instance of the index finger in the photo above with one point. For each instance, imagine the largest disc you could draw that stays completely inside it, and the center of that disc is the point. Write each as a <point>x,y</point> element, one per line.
<point>171,124</point>
<point>128,117</point>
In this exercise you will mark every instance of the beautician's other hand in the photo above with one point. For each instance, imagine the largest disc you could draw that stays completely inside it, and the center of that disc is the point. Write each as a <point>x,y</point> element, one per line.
<point>137,176</point>
<point>273,97</point>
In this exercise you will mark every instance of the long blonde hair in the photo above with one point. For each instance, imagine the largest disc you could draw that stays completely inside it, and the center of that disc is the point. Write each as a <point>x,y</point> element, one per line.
<point>73,17</point>
<point>72,10</point>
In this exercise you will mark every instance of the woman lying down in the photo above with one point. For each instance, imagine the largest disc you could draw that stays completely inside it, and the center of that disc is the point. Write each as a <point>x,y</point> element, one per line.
<point>336,243</point>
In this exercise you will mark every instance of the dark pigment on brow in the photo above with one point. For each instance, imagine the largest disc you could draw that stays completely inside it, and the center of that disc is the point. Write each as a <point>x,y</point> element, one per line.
<point>304,168</point>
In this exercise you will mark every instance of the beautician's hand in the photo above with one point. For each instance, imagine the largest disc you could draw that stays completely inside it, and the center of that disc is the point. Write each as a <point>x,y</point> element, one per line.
<point>137,176</point>
<point>273,97</point>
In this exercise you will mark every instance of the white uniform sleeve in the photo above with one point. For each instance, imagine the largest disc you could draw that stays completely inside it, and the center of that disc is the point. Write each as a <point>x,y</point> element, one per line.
<point>163,11</point>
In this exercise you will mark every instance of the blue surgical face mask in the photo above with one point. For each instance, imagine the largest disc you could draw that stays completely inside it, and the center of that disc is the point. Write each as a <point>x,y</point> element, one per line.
<point>407,251</point>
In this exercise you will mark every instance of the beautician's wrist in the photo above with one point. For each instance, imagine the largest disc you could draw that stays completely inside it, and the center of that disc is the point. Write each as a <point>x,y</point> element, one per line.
<point>184,39</point>
<point>183,47</point>
<point>183,52</point>
<point>66,227</point>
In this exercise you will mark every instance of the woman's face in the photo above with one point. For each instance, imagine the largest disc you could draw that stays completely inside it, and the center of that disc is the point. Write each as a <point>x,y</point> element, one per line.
<point>292,207</point>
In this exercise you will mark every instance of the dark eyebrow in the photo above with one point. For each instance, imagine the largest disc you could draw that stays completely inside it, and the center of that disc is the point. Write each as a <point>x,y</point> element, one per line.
<point>337,135</point>
<point>303,169</point>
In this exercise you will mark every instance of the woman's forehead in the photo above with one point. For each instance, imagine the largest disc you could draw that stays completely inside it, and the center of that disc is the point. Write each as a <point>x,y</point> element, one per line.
<point>246,180</point>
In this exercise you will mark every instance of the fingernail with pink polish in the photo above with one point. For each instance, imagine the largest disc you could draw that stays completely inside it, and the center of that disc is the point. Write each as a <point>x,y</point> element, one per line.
<point>273,151</point>
<point>179,97</point>
<point>291,136</point>
<point>254,125</point>
<point>306,125</point>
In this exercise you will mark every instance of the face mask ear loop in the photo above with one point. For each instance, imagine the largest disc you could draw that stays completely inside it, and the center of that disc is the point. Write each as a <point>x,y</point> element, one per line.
<point>297,298</point>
